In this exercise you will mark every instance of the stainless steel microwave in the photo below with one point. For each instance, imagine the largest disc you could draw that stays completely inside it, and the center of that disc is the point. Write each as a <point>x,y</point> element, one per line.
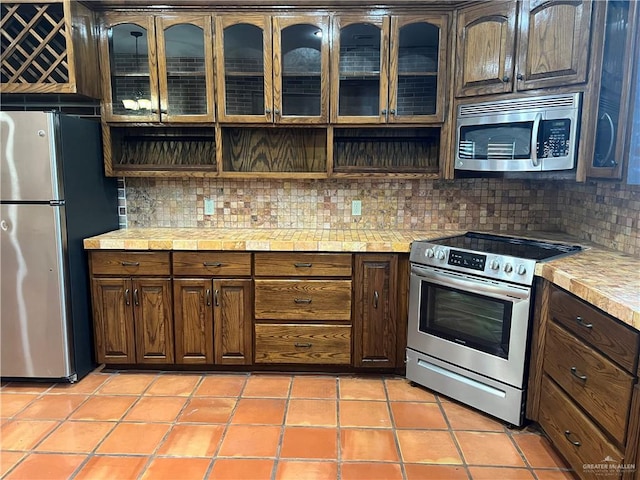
<point>518,135</point>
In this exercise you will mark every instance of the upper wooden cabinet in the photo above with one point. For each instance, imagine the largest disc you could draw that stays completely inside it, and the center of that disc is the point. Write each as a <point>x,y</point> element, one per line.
<point>552,49</point>
<point>48,47</point>
<point>157,69</point>
<point>272,69</point>
<point>388,69</point>
<point>613,69</point>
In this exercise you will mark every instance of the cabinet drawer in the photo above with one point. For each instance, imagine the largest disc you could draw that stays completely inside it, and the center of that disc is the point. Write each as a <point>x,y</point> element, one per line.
<point>303,264</point>
<point>603,332</point>
<point>596,384</point>
<point>130,263</point>
<point>565,423</point>
<point>303,299</point>
<point>206,264</point>
<point>299,343</point>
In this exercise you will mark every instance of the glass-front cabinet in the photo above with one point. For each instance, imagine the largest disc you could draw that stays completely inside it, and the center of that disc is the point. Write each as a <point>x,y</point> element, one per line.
<point>272,70</point>
<point>388,69</point>
<point>157,69</point>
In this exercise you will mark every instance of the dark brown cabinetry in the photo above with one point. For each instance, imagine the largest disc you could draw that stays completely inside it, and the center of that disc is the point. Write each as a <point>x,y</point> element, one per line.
<point>303,308</point>
<point>551,50</point>
<point>615,53</point>
<point>585,393</point>
<point>375,321</point>
<point>212,313</point>
<point>132,307</point>
<point>157,69</point>
<point>48,47</point>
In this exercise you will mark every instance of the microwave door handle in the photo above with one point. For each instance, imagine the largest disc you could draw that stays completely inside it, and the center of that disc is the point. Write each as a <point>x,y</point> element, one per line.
<point>534,140</point>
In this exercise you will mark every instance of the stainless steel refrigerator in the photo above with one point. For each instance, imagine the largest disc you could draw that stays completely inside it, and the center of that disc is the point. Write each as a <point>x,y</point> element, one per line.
<point>53,194</point>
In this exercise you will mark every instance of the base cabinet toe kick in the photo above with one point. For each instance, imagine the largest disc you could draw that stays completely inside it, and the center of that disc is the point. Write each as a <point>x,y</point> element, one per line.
<point>336,312</point>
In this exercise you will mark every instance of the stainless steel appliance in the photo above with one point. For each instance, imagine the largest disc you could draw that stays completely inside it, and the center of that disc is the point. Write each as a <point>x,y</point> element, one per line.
<point>518,135</point>
<point>53,194</point>
<point>470,300</point>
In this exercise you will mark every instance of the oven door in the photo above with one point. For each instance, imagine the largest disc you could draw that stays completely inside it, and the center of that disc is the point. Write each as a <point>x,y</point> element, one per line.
<point>478,324</point>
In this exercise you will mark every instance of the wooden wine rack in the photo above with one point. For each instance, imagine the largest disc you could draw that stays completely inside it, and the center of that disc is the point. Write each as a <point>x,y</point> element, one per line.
<point>48,47</point>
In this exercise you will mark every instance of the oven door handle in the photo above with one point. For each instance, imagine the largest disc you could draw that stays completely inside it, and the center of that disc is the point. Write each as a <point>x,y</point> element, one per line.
<point>477,285</point>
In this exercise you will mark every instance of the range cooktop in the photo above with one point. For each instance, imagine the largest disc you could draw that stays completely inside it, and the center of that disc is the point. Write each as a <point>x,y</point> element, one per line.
<point>514,247</point>
<point>491,256</point>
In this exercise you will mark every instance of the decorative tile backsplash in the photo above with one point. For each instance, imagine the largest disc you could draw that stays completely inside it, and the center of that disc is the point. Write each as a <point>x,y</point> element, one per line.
<point>605,213</point>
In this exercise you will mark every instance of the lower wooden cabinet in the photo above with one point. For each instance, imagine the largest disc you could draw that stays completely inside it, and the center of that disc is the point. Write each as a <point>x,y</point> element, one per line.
<point>212,319</point>
<point>133,320</point>
<point>375,321</point>
<point>584,383</point>
<point>242,308</point>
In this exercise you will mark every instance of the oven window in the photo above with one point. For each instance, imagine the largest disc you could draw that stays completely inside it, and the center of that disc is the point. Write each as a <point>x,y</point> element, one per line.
<point>505,141</point>
<point>470,319</point>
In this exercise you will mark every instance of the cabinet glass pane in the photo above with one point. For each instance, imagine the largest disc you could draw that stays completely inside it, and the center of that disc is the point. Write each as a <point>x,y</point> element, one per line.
<point>129,62</point>
<point>301,70</point>
<point>244,70</point>
<point>418,69</point>
<point>186,80</point>
<point>611,88</point>
<point>359,93</point>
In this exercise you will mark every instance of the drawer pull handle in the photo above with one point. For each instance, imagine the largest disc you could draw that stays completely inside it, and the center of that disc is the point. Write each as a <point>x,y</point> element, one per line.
<point>568,434</point>
<point>130,264</point>
<point>376,297</point>
<point>582,323</point>
<point>208,297</point>
<point>574,372</point>
<point>303,345</point>
<point>212,264</point>
<point>302,301</point>
<point>216,299</point>
<point>127,301</point>
<point>302,265</point>
<point>136,302</point>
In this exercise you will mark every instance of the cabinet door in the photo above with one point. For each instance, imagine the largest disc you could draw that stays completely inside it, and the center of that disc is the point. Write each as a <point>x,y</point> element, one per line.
<point>244,68</point>
<point>153,320</point>
<point>233,322</point>
<point>485,49</point>
<point>417,68</point>
<point>616,55</point>
<point>193,320</point>
<point>375,317</point>
<point>553,43</point>
<point>113,320</point>
<point>128,67</point>
<point>301,69</point>
<point>185,68</point>
<point>359,69</point>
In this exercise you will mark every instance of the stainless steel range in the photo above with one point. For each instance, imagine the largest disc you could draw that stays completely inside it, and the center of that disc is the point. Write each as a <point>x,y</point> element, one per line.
<point>470,301</point>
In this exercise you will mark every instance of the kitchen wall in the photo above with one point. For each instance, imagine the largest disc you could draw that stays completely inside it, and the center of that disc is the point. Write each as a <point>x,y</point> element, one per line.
<point>605,213</point>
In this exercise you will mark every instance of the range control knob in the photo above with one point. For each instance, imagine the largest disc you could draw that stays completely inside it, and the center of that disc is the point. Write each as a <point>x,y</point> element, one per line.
<point>440,254</point>
<point>494,265</point>
<point>521,270</point>
<point>429,253</point>
<point>508,268</point>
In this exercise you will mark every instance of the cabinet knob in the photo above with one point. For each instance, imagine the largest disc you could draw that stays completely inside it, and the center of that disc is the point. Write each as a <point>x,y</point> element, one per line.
<point>505,79</point>
<point>384,111</point>
<point>392,111</point>
<point>520,76</point>
<point>267,111</point>
<point>276,111</point>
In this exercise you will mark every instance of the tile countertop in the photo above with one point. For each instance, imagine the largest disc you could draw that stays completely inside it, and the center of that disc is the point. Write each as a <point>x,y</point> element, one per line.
<point>608,279</point>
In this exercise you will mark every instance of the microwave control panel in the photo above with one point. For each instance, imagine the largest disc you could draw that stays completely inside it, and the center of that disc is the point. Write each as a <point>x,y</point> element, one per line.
<point>553,139</point>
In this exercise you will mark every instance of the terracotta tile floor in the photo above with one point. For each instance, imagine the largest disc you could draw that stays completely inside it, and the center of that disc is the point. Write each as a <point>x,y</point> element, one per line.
<point>121,426</point>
